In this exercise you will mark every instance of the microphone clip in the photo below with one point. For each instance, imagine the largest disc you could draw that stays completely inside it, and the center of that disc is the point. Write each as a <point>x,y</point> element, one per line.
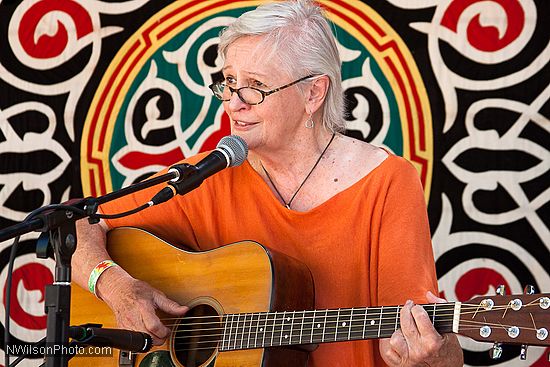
<point>182,171</point>
<point>189,179</point>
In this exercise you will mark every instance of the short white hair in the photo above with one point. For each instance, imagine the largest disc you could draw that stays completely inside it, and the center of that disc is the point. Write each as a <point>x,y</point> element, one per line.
<point>299,34</point>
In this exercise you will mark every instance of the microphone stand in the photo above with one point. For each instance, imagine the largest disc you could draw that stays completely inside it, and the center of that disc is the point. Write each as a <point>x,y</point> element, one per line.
<point>62,238</point>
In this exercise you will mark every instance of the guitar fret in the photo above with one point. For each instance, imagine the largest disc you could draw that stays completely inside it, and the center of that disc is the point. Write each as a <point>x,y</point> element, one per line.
<point>380,321</point>
<point>254,329</point>
<point>224,346</point>
<point>291,327</point>
<point>350,324</point>
<point>302,326</point>
<point>373,324</point>
<point>273,328</point>
<point>312,326</point>
<point>344,324</point>
<point>282,329</point>
<point>324,326</point>
<point>443,324</point>
<point>365,323</point>
<point>249,331</point>
<point>357,323</point>
<point>337,325</point>
<point>237,329</point>
<point>396,326</point>
<point>265,329</point>
<point>243,330</point>
<point>231,331</point>
<point>256,332</point>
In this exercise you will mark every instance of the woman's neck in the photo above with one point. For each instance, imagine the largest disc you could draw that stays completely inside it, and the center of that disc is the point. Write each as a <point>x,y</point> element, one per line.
<point>293,157</point>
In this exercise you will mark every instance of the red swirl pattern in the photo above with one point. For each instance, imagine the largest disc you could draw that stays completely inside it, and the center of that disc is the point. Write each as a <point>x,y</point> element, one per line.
<point>486,38</point>
<point>479,281</point>
<point>50,46</point>
<point>35,277</point>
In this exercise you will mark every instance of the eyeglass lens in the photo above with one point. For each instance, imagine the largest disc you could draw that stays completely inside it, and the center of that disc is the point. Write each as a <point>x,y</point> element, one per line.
<point>246,94</point>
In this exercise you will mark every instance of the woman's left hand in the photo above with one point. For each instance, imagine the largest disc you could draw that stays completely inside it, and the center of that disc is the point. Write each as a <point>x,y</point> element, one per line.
<point>417,343</point>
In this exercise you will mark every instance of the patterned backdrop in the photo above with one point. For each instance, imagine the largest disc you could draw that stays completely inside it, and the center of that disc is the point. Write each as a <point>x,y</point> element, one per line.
<point>95,95</point>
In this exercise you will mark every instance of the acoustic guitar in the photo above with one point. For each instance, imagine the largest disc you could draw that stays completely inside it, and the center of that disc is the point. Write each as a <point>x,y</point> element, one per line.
<point>254,307</point>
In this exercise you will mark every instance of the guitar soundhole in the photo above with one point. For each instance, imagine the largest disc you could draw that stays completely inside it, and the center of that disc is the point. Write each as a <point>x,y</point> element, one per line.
<point>196,336</point>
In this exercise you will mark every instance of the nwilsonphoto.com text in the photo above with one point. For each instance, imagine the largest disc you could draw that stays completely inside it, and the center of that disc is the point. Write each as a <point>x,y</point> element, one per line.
<point>58,349</point>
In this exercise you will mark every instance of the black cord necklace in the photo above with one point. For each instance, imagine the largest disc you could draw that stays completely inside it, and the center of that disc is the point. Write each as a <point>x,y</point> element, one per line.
<point>305,179</point>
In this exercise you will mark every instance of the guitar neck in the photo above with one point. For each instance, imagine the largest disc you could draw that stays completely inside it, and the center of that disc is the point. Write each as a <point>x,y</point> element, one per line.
<point>273,329</point>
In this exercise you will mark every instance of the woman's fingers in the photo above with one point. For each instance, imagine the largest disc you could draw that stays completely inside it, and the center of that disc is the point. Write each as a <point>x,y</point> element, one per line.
<point>134,303</point>
<point>169,306</point>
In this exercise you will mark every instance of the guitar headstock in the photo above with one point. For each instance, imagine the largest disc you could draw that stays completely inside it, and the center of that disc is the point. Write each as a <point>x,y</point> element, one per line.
<point>517,319</point>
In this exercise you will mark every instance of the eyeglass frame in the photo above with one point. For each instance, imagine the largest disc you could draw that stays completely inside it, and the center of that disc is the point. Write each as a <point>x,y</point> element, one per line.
<point>262,92</point>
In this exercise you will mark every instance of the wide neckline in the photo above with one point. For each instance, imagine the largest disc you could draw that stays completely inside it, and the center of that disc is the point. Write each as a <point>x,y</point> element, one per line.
<point>265,187</point>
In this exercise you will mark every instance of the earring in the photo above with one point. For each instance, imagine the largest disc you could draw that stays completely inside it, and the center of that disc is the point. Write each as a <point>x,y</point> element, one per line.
<point>310,123</point>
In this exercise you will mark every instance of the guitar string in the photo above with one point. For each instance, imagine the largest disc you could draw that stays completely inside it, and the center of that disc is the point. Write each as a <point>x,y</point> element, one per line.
<point>470,324</point>
<point>464,327</point>
<point>250,343</point>
<point>264,344</point>
<point>440,319</point>
<point>323,335</point>
<point>230,348</point>
<point>234,330</point>
<point>440,306</point>
<point>386,316</point>
<point>269,342</point>
<point>319,318</point>
<point>270,339</point>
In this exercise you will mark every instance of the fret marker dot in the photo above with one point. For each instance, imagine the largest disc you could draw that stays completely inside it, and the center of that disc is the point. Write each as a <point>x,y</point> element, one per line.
<point>344,323</point>
<point>261,329</point>
<point>288,319</point>
<point>318,326</point>
<point>372,322</point>
<point>286,336</point>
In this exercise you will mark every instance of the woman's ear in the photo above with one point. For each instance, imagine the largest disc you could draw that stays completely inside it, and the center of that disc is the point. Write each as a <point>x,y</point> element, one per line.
<point>317,93</point>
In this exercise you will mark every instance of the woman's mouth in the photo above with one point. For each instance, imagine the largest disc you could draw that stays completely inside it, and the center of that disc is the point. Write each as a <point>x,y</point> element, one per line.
<point>243,124</point>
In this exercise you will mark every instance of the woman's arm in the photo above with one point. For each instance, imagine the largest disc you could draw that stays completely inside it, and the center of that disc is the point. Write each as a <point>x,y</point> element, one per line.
<point>133,301</point>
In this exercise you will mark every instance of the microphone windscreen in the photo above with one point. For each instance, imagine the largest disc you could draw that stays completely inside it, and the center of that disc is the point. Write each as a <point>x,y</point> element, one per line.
<point>235,147</point>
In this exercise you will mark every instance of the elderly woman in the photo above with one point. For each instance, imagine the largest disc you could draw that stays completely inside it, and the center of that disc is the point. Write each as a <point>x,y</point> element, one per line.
<point>352,212</point>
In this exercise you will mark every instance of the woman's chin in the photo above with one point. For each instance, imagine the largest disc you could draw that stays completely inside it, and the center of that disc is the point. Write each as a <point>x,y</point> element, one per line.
<point>252,139</point>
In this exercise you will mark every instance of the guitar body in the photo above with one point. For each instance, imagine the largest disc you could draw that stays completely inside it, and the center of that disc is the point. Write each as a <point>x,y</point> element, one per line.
<point>242,277</point>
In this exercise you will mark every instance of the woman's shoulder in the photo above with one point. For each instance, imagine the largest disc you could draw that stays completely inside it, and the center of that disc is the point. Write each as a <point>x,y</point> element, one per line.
<point>364,159</point>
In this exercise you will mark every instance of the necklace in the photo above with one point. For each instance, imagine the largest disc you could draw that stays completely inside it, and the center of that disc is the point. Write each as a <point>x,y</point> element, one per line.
<point>287,205</point>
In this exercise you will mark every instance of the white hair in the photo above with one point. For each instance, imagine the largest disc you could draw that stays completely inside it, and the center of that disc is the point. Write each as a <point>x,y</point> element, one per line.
<point>300,36</point>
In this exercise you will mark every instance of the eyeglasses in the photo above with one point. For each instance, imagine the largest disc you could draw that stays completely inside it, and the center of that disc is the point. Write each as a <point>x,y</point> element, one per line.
<point>249,95</point>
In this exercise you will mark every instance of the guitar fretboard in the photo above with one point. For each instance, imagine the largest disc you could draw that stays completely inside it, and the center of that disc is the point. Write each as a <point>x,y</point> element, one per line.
<point>272,329</point>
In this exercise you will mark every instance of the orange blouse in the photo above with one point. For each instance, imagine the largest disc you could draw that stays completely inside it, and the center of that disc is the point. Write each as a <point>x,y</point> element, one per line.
<point>368,245</point>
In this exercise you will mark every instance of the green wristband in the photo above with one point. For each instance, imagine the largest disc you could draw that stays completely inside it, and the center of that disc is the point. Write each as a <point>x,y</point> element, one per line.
<point>96,272</point>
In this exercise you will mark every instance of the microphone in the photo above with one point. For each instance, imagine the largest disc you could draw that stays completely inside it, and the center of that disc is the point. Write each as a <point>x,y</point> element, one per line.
<point>133,341</point>
<point>231,151</point>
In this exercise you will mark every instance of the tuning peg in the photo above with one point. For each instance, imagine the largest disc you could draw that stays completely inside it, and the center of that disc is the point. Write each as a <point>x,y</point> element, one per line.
<point>523,352</point>
<point>496,351</point>
<point>501,290</point>
<point>529,289</point>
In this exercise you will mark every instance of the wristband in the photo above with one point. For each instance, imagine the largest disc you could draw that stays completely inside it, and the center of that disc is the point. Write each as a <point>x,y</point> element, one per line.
<point>96,272</point>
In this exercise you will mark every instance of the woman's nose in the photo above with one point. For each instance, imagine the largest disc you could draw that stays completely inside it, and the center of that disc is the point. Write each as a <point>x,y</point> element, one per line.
<point>235,103</point>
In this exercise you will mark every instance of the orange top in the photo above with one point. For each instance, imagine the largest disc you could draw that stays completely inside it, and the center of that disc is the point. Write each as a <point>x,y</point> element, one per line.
<point>368,245</point>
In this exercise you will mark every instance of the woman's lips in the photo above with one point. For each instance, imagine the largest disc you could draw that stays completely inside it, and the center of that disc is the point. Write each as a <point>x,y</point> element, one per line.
<point>244,124</point>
